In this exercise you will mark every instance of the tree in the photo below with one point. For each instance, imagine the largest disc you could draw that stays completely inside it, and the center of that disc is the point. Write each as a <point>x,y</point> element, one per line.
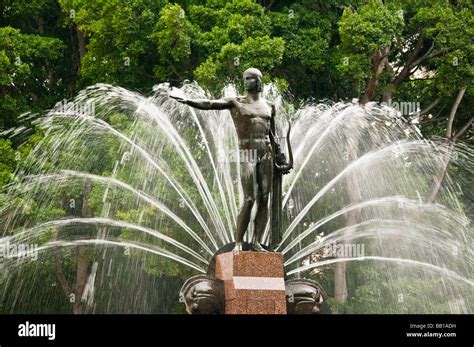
<point>402,40</point>
<point>172,34</point>
<point>117,49</point>
<point>27,73</point>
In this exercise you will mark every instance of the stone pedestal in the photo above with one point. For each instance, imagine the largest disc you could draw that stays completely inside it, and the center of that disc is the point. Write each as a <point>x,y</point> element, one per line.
<point>253,282</point>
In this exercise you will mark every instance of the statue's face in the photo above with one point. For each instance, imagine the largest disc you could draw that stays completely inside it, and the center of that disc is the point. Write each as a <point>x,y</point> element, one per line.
<point>250,81</point>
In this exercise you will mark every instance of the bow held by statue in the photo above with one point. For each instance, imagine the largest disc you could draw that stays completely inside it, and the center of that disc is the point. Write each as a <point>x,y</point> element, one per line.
<point>280,159</point>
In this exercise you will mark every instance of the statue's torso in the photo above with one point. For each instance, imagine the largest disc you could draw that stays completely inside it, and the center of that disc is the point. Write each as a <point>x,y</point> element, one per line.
<point>252,122</point>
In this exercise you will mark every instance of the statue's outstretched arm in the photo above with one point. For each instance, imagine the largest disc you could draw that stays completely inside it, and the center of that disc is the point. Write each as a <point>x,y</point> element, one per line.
<point>204,104</point>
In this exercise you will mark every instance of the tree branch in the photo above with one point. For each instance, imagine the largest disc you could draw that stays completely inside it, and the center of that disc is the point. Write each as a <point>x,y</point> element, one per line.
<point>429,56</point>
<point>439,177</point>
<point>270,5</point>
<point>463,130</point>
<point>436,185</point>
<point>411,57</point>
<point>429,107</point>
<point>449,130</point>
<point>378,64</point>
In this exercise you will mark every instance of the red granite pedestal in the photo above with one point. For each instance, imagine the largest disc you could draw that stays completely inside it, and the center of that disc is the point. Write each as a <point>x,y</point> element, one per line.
<point>253,282</point>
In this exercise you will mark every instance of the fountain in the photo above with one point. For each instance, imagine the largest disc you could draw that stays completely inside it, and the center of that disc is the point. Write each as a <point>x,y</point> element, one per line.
<point>124,188</point>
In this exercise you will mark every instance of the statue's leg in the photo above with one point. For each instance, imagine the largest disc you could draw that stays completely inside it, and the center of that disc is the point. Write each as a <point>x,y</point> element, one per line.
<point>247,179</point>
<point>264,179</point>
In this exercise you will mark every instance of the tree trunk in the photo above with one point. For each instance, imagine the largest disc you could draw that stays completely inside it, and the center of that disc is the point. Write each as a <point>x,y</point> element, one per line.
<point>439,177</point>
<point>86,210</point>
<point>81,255</point>
<point>57,256</point>
<point>40,22</point>
<point>340,284</point>
<point>81,279</point>
<point>82,43</point>
<point>451,138</point>
<point>82,260</point>
<point>378,64</point>
<point>270,5</point>
<point>355,196</point>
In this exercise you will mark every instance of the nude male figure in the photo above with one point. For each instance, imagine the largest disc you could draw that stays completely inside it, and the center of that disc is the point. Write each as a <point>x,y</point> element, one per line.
<point>253,118</point>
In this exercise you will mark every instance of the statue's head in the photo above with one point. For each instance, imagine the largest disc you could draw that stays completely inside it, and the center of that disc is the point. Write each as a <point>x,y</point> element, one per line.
<point>253,79</point>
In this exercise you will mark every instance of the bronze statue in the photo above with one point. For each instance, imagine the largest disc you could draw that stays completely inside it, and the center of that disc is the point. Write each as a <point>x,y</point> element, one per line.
<point>254,121</point>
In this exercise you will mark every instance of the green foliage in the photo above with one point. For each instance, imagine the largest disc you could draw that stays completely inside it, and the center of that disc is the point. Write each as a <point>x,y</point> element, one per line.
<point>373,291</point>
<point>372,27</point>
<point>7,161</point>
<point>233,60</point>
<point>118,48</point>
<point>172,34</point>
<point>239,37</point>
<point>26,64</point>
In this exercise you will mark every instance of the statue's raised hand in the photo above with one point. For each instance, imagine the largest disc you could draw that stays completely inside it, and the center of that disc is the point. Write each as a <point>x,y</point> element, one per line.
<point>179,99</point>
